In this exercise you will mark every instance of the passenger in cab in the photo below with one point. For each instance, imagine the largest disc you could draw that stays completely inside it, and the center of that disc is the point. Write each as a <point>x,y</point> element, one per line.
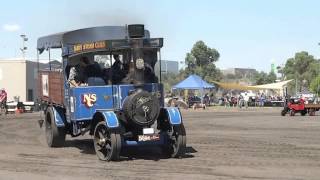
<point>77,75</point>
<point>117,70</point>
<point>85,73</point>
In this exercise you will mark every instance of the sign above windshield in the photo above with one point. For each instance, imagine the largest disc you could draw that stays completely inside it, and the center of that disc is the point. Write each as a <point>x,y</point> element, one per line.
<point>89,46</point>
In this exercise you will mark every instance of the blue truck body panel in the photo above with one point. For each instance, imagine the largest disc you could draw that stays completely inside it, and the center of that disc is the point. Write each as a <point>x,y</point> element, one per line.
<point>111,119</point>
<point>58,117</point>
<point>174,115</point>
<point>86,101</point>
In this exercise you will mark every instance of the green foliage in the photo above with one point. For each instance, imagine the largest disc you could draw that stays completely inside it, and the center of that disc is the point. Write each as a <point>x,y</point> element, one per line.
<point>315,85</point>
<point>169,79</point>
<point>264,78</point>
<point>201,61</point>
<point>302,67</point>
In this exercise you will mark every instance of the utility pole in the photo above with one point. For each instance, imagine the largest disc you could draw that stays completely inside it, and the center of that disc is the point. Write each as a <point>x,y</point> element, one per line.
<point>24,48</point>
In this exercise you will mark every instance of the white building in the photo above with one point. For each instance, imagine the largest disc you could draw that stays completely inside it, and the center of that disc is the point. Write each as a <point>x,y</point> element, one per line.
<point>19,78</point>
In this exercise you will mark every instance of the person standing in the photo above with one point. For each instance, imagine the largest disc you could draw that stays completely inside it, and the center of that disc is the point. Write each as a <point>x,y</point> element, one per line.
<point>3,99</point>
<point>246,100</point>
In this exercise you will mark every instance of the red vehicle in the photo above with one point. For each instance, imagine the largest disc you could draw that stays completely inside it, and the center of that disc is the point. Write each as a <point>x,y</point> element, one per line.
<point>298,106</point>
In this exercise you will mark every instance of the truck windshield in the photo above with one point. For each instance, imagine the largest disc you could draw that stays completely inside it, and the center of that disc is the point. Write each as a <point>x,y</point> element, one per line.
<point>117,67</point>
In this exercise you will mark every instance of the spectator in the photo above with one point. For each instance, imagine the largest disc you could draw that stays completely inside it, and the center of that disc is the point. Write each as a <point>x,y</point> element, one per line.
<point>262,99</point>
<point>246,99</point>
<point>3,98</point>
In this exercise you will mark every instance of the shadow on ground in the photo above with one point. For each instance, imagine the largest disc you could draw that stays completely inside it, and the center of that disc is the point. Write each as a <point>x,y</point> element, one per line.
<point>128,153</point>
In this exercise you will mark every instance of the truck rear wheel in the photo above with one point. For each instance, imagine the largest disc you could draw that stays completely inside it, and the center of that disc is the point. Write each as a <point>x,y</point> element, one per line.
<point>176,144</point>
<point>55,135</point>
<point>107,144</point>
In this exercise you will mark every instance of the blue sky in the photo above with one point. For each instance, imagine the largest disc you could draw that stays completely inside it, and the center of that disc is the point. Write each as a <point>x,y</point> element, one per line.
<point>247,33</point>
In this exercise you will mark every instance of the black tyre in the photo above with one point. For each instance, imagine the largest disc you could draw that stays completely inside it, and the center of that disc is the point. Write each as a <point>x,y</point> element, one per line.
<point>303,113</point>
<point>107,144</point>
<point>55,135</point>
<point>176,143</point>
<point>283,112</point>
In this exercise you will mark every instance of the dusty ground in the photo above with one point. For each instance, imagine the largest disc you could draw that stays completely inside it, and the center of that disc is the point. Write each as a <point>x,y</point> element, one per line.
<point>222,144</point>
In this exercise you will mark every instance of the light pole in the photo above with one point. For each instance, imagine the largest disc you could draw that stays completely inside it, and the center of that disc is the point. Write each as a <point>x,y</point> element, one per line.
<point>24,48</point>
<point>318,75</point>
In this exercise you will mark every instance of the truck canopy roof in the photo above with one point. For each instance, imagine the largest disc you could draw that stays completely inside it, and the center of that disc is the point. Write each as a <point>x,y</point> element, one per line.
<point>79,36</point>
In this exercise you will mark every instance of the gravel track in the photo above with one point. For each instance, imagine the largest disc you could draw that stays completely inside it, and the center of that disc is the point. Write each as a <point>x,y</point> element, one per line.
<point>221,144</point>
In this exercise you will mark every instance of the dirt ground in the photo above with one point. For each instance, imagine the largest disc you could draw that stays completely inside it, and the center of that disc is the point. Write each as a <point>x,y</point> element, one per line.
<point>221,144</point>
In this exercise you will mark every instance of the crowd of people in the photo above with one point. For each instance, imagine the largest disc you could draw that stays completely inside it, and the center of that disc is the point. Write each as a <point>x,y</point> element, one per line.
<point>240,100</point>
<point>246,100</point>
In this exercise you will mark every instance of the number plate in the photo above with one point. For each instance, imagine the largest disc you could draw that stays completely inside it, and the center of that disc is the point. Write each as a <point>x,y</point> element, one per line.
<point>154,137</point>
<point>28,108</point>
<point>148,131</point>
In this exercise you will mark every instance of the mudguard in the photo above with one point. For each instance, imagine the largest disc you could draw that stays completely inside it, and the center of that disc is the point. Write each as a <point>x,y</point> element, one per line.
<point>111,119</point>
<point>59,117</point>
<point>174,115</point>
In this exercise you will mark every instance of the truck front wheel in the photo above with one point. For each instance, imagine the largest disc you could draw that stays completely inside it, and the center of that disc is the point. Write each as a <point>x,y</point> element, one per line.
<point>107,143</point>
<point>176,144</point>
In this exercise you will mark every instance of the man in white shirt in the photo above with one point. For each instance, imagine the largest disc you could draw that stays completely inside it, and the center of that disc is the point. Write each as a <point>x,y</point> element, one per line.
<point>246,99</point>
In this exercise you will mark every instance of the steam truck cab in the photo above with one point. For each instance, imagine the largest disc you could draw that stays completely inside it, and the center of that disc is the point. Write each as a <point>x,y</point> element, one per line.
<point>120,103</point>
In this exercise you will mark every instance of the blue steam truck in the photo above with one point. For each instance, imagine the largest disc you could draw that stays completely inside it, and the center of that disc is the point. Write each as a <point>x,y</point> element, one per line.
<point>108,86</point>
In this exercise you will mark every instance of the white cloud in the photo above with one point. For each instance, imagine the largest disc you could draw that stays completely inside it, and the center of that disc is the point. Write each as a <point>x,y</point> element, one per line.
<point>11,27</point>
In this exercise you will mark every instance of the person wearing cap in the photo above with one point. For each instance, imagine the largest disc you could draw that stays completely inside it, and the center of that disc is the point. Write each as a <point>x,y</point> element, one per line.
<point>77,75</point>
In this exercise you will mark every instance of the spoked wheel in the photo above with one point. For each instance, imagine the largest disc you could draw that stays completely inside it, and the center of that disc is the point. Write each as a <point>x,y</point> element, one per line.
<point>176,143</point>
<point>303,113</point>
<point>107,144</point>
<point>283,112</point>
<point>55,135</point>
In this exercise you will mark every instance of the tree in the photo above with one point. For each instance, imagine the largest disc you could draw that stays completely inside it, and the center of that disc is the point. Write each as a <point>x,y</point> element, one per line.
<point>264,78</point>
<point>315,85</point>
<point>201,61</point>
<point>272,77</point>
<point>303,68</point>
<point>170,79</point>
<point>280,71</point>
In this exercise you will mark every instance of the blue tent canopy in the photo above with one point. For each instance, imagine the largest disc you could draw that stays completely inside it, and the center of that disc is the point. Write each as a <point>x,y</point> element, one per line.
<point>193,82</point>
